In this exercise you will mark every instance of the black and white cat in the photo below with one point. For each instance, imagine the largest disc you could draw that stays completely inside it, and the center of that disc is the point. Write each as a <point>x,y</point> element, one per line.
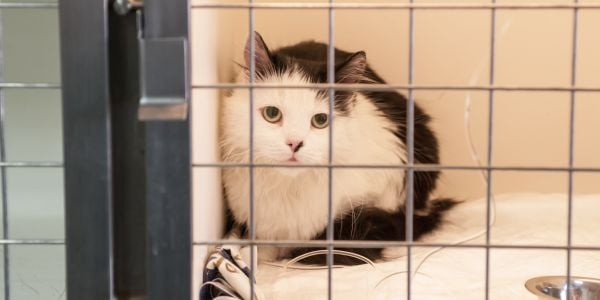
<point>290,127</point>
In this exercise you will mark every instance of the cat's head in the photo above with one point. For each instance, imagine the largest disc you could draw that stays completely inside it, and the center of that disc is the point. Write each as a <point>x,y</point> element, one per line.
<point>291,126</point>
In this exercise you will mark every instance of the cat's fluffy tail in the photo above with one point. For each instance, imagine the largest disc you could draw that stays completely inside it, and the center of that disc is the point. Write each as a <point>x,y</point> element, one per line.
<point>429,219</point>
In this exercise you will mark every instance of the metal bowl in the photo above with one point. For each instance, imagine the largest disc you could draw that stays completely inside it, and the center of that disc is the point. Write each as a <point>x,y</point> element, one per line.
<point>555,287</point>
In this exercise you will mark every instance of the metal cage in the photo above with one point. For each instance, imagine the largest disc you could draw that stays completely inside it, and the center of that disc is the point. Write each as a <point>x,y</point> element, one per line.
<point>128,179</point>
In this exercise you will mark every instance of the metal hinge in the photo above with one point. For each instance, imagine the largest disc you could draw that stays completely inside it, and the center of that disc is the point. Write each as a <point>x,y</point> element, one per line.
<point>164,79</point>
<point>123,7</point>
<point>164,75</point>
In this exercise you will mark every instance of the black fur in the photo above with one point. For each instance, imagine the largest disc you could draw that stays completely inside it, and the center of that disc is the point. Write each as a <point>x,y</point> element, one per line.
<point>374,224</point>
<point>367,223</point>
<point>311,57</point>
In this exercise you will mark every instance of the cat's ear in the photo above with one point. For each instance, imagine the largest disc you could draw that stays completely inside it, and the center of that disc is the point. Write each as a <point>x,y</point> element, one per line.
<point>263,63</point>
<point>353,69</point>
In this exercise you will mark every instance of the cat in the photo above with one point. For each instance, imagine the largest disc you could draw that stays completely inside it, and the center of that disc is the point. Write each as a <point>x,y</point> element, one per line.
<point>291,128</point>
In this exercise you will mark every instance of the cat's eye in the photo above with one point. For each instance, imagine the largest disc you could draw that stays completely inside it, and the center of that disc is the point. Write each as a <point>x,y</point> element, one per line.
<point>272,114</point>
<point>320,121</point>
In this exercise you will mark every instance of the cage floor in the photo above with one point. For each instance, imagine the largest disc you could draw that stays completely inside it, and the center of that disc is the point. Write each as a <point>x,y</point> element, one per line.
<point>459,273</point>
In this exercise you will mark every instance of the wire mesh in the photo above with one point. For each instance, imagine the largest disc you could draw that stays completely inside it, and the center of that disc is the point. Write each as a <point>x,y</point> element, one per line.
<point>331,96</point>
<point>252,77</point>
<point>420,167</point>
<point>389,87</point>
<point>410,149</point>
<point>488,192</point>
<point>571,148</point>
<point>386,244</point>
<point>23,85</point>
<point>20,5</point>
<point>6,250</point>
<point>412,5</point>
<point>6,241</point>
<point>410,167</point>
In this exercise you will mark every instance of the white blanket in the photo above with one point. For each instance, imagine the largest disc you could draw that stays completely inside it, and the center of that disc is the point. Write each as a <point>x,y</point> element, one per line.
<point>459,273</point>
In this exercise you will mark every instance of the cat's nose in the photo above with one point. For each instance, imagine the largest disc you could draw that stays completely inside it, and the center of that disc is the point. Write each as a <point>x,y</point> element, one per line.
<point>295,145</point>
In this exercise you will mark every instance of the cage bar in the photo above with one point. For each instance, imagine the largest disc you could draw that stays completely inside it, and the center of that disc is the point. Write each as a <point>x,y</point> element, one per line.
<point>331,96</point>
<point>420,167</point>
<point>26,85</point>
<point>168,176</point>
<point>388,244</point>
<point>404,6</point>
<point>32,242</point>
<point>31,164</point>
<point>86,131</point>
<point>410,137</point>
<point>571,149</point>
<point>251,220</point>
<point>27,5</point>
<point>388,87</point>
<point>4,195</point>
<point>490,146</point>
<point>128,160</point>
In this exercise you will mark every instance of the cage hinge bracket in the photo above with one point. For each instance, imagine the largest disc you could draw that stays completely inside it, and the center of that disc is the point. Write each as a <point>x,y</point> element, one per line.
<point>164,79</point>
<point>163,67</point>
<point>123,7</point>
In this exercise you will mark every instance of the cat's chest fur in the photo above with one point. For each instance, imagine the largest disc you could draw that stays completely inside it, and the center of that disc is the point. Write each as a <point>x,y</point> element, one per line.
<point>297,208</point>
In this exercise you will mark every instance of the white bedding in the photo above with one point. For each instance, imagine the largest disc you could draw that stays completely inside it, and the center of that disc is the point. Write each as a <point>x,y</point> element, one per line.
<point>459,273</point>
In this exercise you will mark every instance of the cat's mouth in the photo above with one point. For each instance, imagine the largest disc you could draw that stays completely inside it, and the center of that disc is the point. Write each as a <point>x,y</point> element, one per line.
<point>292,159</point>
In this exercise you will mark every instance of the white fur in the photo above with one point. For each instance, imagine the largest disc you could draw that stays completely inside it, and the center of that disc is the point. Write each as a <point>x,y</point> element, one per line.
<point>291,203</point>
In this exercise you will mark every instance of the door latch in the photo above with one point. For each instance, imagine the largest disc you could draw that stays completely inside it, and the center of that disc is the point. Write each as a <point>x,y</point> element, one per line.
<point>163,68</point>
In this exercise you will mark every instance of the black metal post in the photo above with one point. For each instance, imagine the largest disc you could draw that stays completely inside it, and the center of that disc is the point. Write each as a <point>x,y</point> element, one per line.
<point>87,148</point>
<point>128,183</point>
<point>129,169</point>
<point>168,185</point>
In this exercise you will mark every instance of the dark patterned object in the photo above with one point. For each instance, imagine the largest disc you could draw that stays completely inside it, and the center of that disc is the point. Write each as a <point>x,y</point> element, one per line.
<point>227,276</point>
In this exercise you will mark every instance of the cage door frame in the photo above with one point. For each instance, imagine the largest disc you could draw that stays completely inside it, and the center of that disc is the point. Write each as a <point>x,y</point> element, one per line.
<point>127,182</point>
